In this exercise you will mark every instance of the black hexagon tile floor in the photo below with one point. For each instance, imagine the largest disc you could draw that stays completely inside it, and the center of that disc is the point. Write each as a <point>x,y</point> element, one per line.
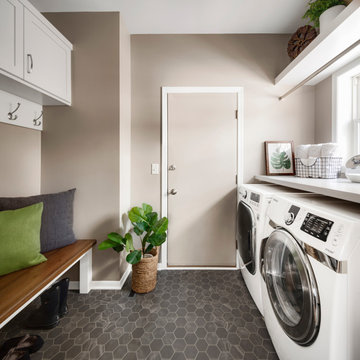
<point>190,315</point>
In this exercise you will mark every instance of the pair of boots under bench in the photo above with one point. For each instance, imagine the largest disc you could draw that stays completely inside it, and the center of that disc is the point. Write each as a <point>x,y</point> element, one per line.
<point>53,307</point>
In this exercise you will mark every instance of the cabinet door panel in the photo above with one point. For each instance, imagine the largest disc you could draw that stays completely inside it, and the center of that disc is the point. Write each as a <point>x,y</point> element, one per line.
<point>11,37</point>
<point>46,58</point>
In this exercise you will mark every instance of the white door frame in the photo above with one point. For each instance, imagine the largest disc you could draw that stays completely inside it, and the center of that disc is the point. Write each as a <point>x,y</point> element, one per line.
<point>239,91</point>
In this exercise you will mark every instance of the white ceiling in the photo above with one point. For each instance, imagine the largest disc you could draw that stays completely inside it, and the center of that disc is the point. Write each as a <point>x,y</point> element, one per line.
<point>193,16</point>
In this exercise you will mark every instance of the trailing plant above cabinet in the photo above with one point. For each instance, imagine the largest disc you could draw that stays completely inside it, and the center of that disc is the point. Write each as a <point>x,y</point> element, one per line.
<point>317,7</point>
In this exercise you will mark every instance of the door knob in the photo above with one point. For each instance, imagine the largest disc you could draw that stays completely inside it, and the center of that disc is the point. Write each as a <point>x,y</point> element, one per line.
<point>172,167</point>
<point>173,192</point>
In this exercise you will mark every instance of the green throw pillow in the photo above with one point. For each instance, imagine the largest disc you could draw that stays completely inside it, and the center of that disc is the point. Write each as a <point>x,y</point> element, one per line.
<point>20,238</point>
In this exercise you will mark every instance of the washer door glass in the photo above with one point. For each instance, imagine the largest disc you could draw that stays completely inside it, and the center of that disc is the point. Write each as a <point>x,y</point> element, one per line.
<point>245,235</point>
<point>292,287</point>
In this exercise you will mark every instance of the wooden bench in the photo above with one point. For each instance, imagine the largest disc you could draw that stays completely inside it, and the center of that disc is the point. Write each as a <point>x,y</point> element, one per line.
<point>20,288</point>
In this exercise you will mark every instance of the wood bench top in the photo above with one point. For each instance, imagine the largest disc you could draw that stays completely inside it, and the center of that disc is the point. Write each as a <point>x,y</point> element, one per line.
<point>20,286</point>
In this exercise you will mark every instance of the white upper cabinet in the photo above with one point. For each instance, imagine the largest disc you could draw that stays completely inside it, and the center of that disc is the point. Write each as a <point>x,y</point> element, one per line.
<point>11,36</point>
<point>47,58</point>
<point>35,58</point>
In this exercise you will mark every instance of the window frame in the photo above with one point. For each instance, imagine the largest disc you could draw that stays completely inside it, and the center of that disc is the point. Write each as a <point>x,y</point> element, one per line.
<point>346,109</point>
<point>356,112</point>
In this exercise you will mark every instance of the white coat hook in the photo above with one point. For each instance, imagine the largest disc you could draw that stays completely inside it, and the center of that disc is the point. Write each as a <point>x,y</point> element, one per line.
<point>11,113</point>
<point>37,121</point>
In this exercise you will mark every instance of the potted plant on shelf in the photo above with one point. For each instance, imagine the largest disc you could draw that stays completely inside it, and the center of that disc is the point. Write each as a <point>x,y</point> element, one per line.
<point>152,233</point>
<point>322,12</point>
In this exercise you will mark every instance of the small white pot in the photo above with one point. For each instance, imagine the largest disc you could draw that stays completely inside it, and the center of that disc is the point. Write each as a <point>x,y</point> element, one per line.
<point>327,17</point>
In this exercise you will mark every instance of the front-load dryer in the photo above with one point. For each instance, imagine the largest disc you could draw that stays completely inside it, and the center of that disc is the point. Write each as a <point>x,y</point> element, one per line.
<point>311,269</point>
<point>253,201</point>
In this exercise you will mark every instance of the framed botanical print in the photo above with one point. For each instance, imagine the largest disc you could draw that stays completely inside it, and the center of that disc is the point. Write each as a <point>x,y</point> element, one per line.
<point>279,157</point>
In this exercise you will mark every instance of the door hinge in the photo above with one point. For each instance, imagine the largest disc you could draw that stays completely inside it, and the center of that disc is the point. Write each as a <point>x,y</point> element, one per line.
<point>237,114</point>
<point>236,179</point>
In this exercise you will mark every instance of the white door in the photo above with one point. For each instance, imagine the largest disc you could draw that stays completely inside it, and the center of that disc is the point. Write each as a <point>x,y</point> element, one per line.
<point>47,58</point>
<point>11,37</point>
<point>202,167</point>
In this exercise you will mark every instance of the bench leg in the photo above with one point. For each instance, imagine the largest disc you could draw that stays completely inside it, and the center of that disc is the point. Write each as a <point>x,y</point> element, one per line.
<point>86,272</point>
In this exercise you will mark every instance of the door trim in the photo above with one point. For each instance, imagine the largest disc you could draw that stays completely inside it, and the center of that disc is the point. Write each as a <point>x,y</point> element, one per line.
<point>165,90</point>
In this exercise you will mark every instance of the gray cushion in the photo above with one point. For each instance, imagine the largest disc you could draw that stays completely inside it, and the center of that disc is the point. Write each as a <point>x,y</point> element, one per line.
<point>57,217</point>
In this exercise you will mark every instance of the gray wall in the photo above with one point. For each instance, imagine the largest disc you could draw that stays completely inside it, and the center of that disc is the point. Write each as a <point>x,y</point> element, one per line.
<point>323,111</point>
<point>80,144</point>
<point>251,61</point>
<point>20,161</point>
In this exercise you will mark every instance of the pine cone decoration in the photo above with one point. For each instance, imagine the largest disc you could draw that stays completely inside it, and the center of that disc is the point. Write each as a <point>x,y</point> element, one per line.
<point>300,40</point>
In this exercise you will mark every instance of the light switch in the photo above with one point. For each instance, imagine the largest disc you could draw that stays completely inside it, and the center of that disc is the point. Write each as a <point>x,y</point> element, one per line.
<point>155,169</point>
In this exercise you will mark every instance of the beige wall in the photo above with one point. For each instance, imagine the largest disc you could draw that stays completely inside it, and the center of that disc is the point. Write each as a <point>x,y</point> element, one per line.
<point>80,144</point>
<point>251,61</point>
<point>125,131</point>
<point>323,111</point>
<point>20,161</point>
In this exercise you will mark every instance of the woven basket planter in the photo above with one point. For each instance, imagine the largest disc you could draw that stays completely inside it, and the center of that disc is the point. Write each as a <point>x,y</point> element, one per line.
<point>144,274</point>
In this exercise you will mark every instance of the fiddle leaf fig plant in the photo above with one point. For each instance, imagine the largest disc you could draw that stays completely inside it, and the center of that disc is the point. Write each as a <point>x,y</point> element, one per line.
<point>146,225</point>
<point>317,7</point>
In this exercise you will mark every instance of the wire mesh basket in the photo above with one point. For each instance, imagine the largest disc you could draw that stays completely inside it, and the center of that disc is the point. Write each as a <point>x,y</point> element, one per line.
<point>319,168</point>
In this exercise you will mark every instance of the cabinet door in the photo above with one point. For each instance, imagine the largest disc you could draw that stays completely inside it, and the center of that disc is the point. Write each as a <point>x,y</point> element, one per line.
<point>11,37</point>
<point>47,59</point>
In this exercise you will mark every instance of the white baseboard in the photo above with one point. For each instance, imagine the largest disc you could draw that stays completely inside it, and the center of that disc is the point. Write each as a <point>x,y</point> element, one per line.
<point>104,285</point>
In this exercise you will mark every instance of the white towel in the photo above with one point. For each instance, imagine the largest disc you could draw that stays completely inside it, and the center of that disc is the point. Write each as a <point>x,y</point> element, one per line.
<point>314,151</point>
<point>308,162</point>
<point>330,150</point>
<point>301,151</point>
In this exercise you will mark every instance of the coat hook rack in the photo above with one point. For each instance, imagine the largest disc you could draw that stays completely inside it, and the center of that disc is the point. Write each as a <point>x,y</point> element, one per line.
<point>11,113</point>
<point>36,120</point>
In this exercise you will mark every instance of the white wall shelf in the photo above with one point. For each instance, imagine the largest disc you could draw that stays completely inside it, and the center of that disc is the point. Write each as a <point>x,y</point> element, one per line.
<point>325,47</point>
<point>28,114</point>
<point>337,188</point>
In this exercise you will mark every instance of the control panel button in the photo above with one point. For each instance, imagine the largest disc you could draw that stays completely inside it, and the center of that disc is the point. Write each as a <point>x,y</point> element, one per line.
<point>243,193</point>
<point>289,218</point>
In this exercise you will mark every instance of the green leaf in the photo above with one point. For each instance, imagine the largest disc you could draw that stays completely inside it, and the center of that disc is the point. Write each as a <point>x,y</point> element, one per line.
<point>117,238</point>
<point>134,257</point>
<point>119,248</point>
<point>280,160</point>
<point>157,239</point>
<point>129,242</point>
<point>161,226</point>
<point>143,226</point>
<point>147,208</point>
<point>152,218</point>
<point>149,248</point>
<point>137,230</point>
<point>107,244</point>
<point>137,215</point>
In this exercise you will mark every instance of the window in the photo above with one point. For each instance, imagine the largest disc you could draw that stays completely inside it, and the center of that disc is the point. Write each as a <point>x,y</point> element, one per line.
<point>346,109</point>
<point>356,113</point>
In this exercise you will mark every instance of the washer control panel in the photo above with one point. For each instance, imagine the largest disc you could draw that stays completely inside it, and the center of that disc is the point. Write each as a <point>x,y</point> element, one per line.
<point>317,226</point>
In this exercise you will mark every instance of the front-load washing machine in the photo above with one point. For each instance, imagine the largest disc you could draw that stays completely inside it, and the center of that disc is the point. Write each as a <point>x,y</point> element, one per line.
<point>253,201</point>
<point>311,269</point>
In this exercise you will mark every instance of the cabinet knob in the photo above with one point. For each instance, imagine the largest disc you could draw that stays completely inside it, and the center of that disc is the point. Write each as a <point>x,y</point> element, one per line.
<point>30,63</point>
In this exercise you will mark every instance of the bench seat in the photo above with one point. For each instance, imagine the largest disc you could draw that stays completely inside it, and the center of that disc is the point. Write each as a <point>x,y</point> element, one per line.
<point>21,287</point>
